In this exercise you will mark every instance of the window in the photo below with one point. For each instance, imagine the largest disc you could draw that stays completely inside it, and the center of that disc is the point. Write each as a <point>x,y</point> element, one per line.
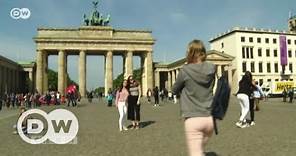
<point>276,79</point>
<point>266,40</point>
<point>275,53</point>
<point>274,40</point>
<point>260,82</point>
<point>259,52</point>
<point>295,42</point>
<point>243,52</point>
<point>290,53</point>
<point>244,66</point>
<point>258,40</point>
<point>276,67</point>
<point>247,51</point>
<point>251,52</point>
<point>260,67</point>
<point>268,67</point>
<point>291,67</point>
<point>250,39</point>
<point>222,45</point>
<point>268,80</point>
<point>291,79</point>
<point>267,52</point>
<point>242,39</point>
<point>252,67</point>
<point>289,41</point>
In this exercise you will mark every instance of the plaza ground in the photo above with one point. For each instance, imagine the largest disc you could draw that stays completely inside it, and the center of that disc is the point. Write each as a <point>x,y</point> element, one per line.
<point>162,133</point>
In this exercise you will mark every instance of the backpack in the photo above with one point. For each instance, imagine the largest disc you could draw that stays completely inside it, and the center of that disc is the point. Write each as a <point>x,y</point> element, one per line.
<point>221,100</point>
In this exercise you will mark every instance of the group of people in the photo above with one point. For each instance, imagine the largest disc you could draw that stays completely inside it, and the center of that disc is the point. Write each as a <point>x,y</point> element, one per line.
<point>28,100</point>
<point>288,93</point>
<point>248,95</point>
<point>163,94</point>
<point>33,100</point>
<point>128,103</point>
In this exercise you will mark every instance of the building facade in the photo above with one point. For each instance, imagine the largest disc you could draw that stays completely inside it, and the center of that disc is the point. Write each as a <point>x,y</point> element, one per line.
<point>269,54</point>
<point>165,74</point>
<point>13,77</point>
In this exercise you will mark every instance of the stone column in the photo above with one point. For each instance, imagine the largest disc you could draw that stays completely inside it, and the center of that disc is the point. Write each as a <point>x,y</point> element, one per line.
<point>229,72</point>
<point>128,64</point>
<point>143,74</point>
<point>39,72</point>
<point>123,66</point>
<point>66,71</point>
<point>148,71</point>
<point>82,73</point>
<point>173,77</point>
<point>177,72</point>
<point>156,79</point>
<point>169,81</point>
<point>219,70</point>
<point>61,72</point>
<point>108,71</point>
<point>45,71</point>
<point>31,81</point>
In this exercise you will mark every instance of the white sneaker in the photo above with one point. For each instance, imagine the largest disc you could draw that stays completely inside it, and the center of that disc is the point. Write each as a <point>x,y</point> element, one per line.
<point>238,124</point>
<point>124,128</point>
<point>252,123</point>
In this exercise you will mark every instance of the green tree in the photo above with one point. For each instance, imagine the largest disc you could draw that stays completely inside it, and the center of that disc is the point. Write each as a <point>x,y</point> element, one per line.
<point>53,80</point>
<point>137,74</point>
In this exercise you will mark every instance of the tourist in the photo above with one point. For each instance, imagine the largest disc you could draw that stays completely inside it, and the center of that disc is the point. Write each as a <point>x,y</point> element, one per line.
<point>134,102</point>
<point>285,94</point>
<point>121,102</point>
<point>291,95</point>
<point>12,99</point>
<point>58,97</point>
<point>175,98</point>
<point>244,93</point>
<point>195,82</point>
<point>170,96</point>
<point>250,118</point>
<point>109,99</point>
<point>156,96</point>
<point>161,94</point>
<point>149,94</point>
<point>258,95</point>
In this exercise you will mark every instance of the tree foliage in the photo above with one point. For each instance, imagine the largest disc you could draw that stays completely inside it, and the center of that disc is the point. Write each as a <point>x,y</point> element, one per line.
<point>137,74</point>
<point>53,80</point>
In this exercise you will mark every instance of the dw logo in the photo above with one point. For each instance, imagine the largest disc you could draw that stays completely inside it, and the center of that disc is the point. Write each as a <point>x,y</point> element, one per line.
<point>17,13</point>
<point>36,126</point>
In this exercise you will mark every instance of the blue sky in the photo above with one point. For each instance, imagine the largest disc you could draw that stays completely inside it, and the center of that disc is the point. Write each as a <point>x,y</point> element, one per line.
<point>173,23</point>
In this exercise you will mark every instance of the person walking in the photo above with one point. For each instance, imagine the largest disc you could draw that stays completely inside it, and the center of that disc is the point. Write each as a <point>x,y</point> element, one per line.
<point>291,95</point>
<point>156,96</point>
<point>258,95</point>
<point>134,102</point>
<point>195,82</point>
<point>120,102</point>
<point>149,94</point>
<point>285,93</point>
<point>244,94</point>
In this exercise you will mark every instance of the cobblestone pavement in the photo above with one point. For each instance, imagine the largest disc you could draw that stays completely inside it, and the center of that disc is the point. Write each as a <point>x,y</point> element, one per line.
<point>162,133</point>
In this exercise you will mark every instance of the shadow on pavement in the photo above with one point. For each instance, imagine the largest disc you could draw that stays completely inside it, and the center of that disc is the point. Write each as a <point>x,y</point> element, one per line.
<point>211,154</point>
<point>146,123</point>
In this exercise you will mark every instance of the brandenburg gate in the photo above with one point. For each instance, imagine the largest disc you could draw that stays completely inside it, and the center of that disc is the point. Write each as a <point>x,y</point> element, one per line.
<point>93,40</point>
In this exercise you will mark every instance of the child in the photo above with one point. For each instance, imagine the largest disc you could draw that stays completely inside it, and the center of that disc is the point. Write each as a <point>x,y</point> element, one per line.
<point>109,99</point>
